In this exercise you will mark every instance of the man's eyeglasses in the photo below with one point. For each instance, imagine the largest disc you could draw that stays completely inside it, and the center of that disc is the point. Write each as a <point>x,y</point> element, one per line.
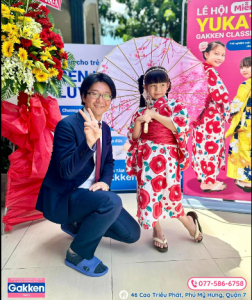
<point>95,95</point>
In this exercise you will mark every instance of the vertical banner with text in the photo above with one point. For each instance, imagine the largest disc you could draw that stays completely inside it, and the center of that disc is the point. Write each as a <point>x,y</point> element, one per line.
<point>88,58</point>
<point>228,21</point>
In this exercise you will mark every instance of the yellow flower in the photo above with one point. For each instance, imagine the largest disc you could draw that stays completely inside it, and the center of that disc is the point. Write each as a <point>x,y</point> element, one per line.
<point>17,9</point>
<point>48,54</point>
<point>28,64</point>
<point>7,16</point>
<point>13,34</point>
<point>4,9</point>
<point>25,33</point>
<point>37,43</point>
<point>27,19</point>
<point>61,51</point>
<point>36,36</point>
<point>22,54</point>
<point>51,48</point>
<point>3,38</point>
<point>35,71</point>
<point>65,64</point>
<point>11,29</point>
<point>41,76</point>
<point>6,28</point>
<point>7,49</point>
<point>43,57</point>
<point>14,40</point>
<point>53,72</point>
<point>14,27</point>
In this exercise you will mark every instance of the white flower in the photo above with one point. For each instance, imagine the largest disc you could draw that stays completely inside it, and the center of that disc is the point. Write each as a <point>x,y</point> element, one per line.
<point>13,69</point>
<point>241,175</point>
<point>236,105</point>
<point>235,146</point>
<point>32,27</point>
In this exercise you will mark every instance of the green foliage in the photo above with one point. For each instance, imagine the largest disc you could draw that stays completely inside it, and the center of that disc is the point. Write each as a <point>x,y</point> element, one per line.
<point>39,88</point>
<point>142,18</point>
<point>6,2</point>
<point>7,91</point>
<point>68,81</point>
<point>51,19</point>
<point>55,88</point>
<point>71,62</point>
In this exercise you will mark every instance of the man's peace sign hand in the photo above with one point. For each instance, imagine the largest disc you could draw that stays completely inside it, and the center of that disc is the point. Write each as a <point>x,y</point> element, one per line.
<point>91,128</point>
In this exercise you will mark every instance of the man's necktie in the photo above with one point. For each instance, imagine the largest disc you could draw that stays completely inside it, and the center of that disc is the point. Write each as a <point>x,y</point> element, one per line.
<point>98,158</point>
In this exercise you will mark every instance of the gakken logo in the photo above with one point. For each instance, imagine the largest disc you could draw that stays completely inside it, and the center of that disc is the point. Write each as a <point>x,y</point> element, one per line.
<point>26,288</point>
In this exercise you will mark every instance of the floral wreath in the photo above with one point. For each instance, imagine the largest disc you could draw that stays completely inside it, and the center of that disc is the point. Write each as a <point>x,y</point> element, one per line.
<point>33,59</point>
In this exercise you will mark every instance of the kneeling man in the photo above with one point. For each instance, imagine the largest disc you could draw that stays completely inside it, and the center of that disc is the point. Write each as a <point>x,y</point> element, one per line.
<point>75,191</point>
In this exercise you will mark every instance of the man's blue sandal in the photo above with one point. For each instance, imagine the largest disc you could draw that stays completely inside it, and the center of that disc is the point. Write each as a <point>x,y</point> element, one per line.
<point>69,229</point>
<point>88,267</point>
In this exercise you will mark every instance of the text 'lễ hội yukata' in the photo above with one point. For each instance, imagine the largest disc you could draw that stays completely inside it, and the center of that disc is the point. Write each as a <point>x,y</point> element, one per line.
<point>156,159</point>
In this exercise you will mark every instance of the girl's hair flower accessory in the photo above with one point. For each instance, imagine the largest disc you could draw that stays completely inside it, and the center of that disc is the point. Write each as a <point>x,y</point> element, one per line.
<point>203,46</point>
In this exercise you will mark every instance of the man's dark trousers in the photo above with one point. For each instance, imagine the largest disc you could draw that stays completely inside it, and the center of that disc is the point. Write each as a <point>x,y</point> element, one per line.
<point>99,214</point>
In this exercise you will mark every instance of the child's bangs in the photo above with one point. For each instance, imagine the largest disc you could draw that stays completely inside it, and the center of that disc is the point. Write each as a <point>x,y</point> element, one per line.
<point>245,63</point>
<point>156,77</point>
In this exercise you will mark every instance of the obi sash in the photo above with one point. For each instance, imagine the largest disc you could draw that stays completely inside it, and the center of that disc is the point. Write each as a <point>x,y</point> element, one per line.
<point>159,134</point>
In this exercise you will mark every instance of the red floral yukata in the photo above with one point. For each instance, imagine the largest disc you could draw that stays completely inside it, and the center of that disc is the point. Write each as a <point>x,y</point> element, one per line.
<point>157,165</point>
<point>208,145</point>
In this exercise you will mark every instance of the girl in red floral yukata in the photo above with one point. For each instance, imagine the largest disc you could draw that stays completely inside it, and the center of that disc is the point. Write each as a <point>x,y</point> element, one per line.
<point>208,152</point>
<point>157,157</point>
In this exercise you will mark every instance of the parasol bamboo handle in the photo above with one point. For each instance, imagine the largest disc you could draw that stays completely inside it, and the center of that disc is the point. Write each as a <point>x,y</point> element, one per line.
<point>146,125</point>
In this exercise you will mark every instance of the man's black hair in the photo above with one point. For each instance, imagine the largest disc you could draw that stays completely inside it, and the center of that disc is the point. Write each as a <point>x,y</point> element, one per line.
<point>97,77</point>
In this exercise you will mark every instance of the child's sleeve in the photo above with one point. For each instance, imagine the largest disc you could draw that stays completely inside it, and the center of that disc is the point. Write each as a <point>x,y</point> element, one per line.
<point>131,128</point>
<point>131,166</point>
<point>180,119</point>
<point>219,94</point>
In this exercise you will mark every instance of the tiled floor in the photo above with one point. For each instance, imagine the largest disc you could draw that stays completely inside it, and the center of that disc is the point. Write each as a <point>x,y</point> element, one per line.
<point>37,249</point>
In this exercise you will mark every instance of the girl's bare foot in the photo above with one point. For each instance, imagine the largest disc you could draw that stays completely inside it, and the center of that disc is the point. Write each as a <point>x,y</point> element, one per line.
<point>158,233</point>
<point>191,227</point>
<point>221,187</point>
<point>192,230</point>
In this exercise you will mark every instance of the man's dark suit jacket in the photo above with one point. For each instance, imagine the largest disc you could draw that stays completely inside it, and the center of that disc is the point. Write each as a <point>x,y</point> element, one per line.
<point>71,165</point>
